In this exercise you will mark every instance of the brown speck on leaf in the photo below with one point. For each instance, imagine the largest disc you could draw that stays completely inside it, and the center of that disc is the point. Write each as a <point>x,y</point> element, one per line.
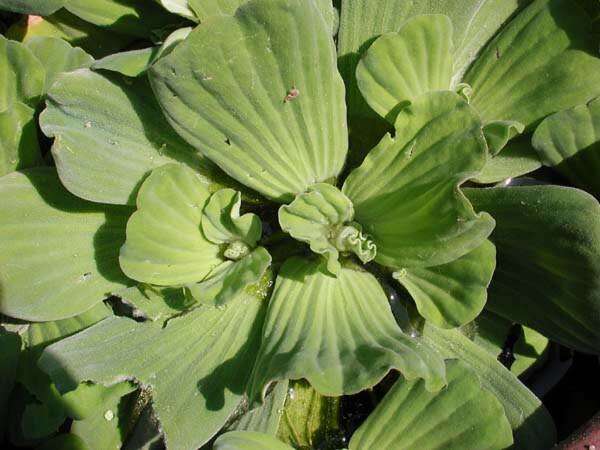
<point>291,95</point>
<point>497,53</point>
<point>227,141</point>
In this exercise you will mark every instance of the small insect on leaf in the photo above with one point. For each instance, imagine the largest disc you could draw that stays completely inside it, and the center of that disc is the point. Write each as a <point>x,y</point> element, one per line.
<point>291,95</point>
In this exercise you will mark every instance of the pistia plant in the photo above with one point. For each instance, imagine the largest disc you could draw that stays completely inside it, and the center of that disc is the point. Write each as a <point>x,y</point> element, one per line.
<point>208,227</point>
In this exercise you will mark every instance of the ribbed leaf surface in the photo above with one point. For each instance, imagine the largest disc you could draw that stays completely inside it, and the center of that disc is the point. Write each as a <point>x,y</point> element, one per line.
<point>196,366</point>
<point>260,95</point>
<point>400,66</point>
<point>540,63</point>
<point>69,246</point>
<point>109,136</point>
<point>165,245</point>
<point>406,193</point>
<point>532,425</point>
<point>452,294</point>
<point>266,418</point>
<point>338,333</point>
<point>570,142</point>
<point>462,415</point>
<point>548,273</point>
<point>203,9</point>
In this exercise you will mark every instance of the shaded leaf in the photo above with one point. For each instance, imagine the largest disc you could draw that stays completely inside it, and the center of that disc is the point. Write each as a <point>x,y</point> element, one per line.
<point>132,63</point>
<point>570,142</point>
<point>532,425</point>
<point>40,7</point>
<point>265,418</point>
<point>154,303</point>
<point>452,294</point>
<point>70,244</point>
<point>10,346</point>
<point>462,415</point>
<point>338,333</point>
<point>516,159</point>
<point>548,272</point>
<point>249,440</point>
<point>164,244</point>
<point>406,193</point>
<point>109,135</point>
<point>19,147</point>
<point>64,442</point>
<point>269,111</point>
<point>540,63</point>
<point>497,134</point>
<point>196,366</point>
<point>401,66</point>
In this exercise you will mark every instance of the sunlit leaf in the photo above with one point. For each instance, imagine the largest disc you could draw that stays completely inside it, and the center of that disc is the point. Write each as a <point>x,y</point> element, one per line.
<point>70,246</point>
<point>542,62</point>
<point>570,142</point>
<point>109,135</point>
<point>265,418</point>
<point>338,333</point>
<point>132,63</point>
<point>19,147</point>
<point>532,425</point>
<point>197,366</point>
<point>462,415</point>
<point>498,133</point>
<point>516,159</point>
<point>204,9</point>
<point>249,440</point>
<point>406,193</point>
<point>265,108</point>
<point>154,303</point>
<point>548,272</point>
<point>452,294</point>
<point>180,7</point>
<point>400,66</point>
<point>165,245</point>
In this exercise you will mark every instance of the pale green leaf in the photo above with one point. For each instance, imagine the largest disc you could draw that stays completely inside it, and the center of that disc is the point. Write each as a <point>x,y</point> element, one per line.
<point>532,425</point>
<point>19,147</point>
<point>197,366</point>
<point>109,135</point>
<point>260,95</point>
<point>406,193</point>
<point>497,134</point>
<point>516,159</point>
<point>67,245</point>
<point>57,56</point>
<point>227,280</point>
<point>322,217</point>
<point>10,346</point>
<point>172,41</point>
<point>222,223</point>
<point>179,7</point>
<point>403,65</point>
<point>463,415</point>
<point>338,333</point>
<point>570,142</point>
<point>164,244</point>
<point>249,440</point>
<point>21,73</point>
<point>205,9</point>
<point>132,63</point>
<point>39,7</point>
<point>265,418</point>
<point>452,294</point>
<point>540,63</point>
<point>154,303</point>
<point>548,272</point>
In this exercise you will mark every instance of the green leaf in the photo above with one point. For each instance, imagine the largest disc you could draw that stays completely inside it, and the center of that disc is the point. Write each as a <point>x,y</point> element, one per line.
<point>179,7</point>
<point>228,279</point>
<point>532,425</point>
<point>403,65</point>
<point>265,419</point>
<point>22,75</point>
<point>18,139</point>
<point>516,159</point>
<point>338,333</point>
<point>249,440</point>
<point>109,136</point>
<point>452,294</point>
<point>499,132</point>
<point>463,415</point>
<point>156,304</point>
<point>406,193</point>
<point>205,9</point>
<point>222,223</point>
<point>39,7</point>
<point>196,366</point>
<point>570,142</point>
<point>57,56</point>
<point>10,346</point>
<point>71,245</point>
<point>322,217</point>
<point>172,41</point>
<point>164,244</point>
<point>540,63</point>
<point>64,442</point>
<point>258,98</point>
<point>548,272</point>
<point>132,63</point>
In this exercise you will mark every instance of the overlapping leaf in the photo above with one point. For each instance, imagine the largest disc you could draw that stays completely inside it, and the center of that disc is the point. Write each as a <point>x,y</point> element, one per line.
<point>70,246</point>
<point>41,7</point>
<point>338,333</point>
<point>19,147</point>
<point>406,193</point>
<point>260,95</point>
<point>265,418</point>
<point>197,366</point>
<point>249,440</point>
<point>516,159</point>
<point>463,415</point>
<point>132,63</point>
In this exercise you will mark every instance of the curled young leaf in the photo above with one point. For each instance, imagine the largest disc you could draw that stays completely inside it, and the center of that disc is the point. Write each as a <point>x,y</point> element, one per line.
<point>497,134</point>
<point>322,217</point>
